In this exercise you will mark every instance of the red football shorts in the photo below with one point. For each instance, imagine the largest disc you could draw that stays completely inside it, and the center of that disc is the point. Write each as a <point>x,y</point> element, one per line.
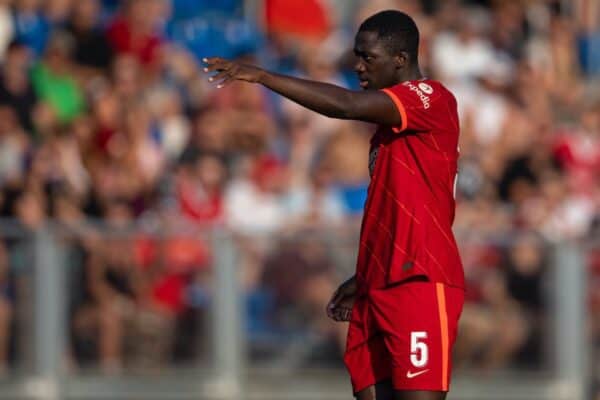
<point>404,333</point>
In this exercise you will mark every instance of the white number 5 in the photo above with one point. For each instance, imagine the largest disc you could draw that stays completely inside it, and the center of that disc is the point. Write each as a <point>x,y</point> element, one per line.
<point>418,349</point>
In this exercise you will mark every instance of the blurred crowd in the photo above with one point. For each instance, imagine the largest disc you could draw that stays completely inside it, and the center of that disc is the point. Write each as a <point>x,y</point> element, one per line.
<point>106,116</point>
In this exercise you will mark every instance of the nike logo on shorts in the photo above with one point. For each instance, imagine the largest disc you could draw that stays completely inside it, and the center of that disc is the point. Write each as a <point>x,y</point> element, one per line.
<point>411,375</point>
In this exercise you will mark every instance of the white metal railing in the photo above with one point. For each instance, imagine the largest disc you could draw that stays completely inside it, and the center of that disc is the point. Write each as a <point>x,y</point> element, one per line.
<point>231,377</point>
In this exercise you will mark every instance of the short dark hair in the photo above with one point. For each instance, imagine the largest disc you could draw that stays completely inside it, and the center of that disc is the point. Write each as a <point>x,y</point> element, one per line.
<point>396,30</point>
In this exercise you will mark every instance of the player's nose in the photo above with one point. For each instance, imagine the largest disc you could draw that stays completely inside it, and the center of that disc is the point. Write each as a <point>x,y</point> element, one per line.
<point>359,66</point>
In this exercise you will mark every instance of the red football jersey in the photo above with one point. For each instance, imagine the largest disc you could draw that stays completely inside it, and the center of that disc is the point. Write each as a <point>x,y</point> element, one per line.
<point>407,224</point>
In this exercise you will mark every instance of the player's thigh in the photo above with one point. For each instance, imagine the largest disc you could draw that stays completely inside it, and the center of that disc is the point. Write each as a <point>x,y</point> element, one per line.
<point>419,395</point>
<point>366,356</point>
<point>380,391</point>
<point>419,323</point>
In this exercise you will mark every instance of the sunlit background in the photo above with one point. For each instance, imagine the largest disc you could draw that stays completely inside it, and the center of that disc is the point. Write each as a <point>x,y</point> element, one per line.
<point>161,239</point>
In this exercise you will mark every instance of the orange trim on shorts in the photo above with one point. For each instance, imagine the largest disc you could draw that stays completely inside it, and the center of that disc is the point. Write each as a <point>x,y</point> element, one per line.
<point>400,108</point>
<point>441,297</point>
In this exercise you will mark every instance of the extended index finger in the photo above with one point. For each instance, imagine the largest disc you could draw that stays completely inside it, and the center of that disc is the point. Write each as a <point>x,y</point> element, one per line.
<point>215,63</point>
<point>212,60</point>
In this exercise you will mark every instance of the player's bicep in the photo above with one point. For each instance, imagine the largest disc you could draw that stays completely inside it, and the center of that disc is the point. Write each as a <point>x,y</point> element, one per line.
<point>377,107</point>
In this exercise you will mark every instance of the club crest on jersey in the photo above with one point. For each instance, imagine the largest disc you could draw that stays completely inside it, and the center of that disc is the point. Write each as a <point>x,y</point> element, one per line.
<point>422,90</point>
<point>425,88</point>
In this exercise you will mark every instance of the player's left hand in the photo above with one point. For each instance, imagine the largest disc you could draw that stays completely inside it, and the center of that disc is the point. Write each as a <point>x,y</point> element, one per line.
<point>228,71</point>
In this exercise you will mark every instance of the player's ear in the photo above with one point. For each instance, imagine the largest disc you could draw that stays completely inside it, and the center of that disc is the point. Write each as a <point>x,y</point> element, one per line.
<point>401,60</point>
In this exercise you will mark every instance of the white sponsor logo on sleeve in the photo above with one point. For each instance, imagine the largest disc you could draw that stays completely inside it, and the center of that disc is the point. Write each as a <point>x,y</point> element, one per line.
<point>422,90</point>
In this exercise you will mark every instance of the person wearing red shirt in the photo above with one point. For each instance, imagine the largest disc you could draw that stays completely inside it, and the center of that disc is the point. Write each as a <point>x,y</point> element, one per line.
<point>133,32</point>
<point>404,301</point>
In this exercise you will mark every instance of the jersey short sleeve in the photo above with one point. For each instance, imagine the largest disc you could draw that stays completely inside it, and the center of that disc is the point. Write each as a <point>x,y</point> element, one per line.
<point>416,101</point>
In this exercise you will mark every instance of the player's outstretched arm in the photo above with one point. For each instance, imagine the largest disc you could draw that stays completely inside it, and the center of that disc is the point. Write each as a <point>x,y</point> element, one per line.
<point>324,98</point>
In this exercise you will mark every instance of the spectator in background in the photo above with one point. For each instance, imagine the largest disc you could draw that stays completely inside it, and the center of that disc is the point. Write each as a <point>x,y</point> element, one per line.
<point>180,72</point>
<point>135,31</point>
<point>494,328</point>
<point>254,204</point>
<point>91,52</point>
<point>298,292</point>
<point>67,210</point>
<point>314,202</point>
<point>127,78</point>
<point>105,122</point>
<point>30,210</point>
<point>526,265</point>
<point>53,80</point>
<point>508,25</point>
<point>210,133</point>
<point>112,283</point>
<point>200,184</point>
<point>69,164</point>
<point>16,90</point>
<point>171,123</point>
<point>466,38</point>
<point>567,214</point>
<point>144,154</point>
<point>167,267</point>
<point>14,147</point>
<point>577,150</point>
<point>31,25</point>
<point>57,11</point>
<point>6,27</point>
<point>316,64</point>
<point>344,152</point>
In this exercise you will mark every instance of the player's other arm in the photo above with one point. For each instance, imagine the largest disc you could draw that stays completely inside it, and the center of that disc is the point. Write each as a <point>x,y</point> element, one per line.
<point>330,100</point>
<point>339,307</point>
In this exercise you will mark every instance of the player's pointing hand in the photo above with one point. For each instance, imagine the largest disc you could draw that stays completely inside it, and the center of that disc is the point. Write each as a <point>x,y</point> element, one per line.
<point>228,71</point>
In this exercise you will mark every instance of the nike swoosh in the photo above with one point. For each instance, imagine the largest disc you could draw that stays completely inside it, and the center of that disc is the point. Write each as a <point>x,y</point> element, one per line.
<point>411,375</point>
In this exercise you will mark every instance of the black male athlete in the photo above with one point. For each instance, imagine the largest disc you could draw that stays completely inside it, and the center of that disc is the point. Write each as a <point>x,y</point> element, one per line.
<point>406,297</point>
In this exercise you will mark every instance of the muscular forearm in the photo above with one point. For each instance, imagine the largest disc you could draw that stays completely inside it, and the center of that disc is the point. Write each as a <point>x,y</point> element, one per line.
<point>324,98</point>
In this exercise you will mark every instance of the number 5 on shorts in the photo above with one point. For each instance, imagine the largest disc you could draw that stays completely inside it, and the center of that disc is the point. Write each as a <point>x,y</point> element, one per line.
<point>418,349</point>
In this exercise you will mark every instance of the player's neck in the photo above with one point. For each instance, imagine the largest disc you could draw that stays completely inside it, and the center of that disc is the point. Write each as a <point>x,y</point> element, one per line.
<point>410,74</point>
